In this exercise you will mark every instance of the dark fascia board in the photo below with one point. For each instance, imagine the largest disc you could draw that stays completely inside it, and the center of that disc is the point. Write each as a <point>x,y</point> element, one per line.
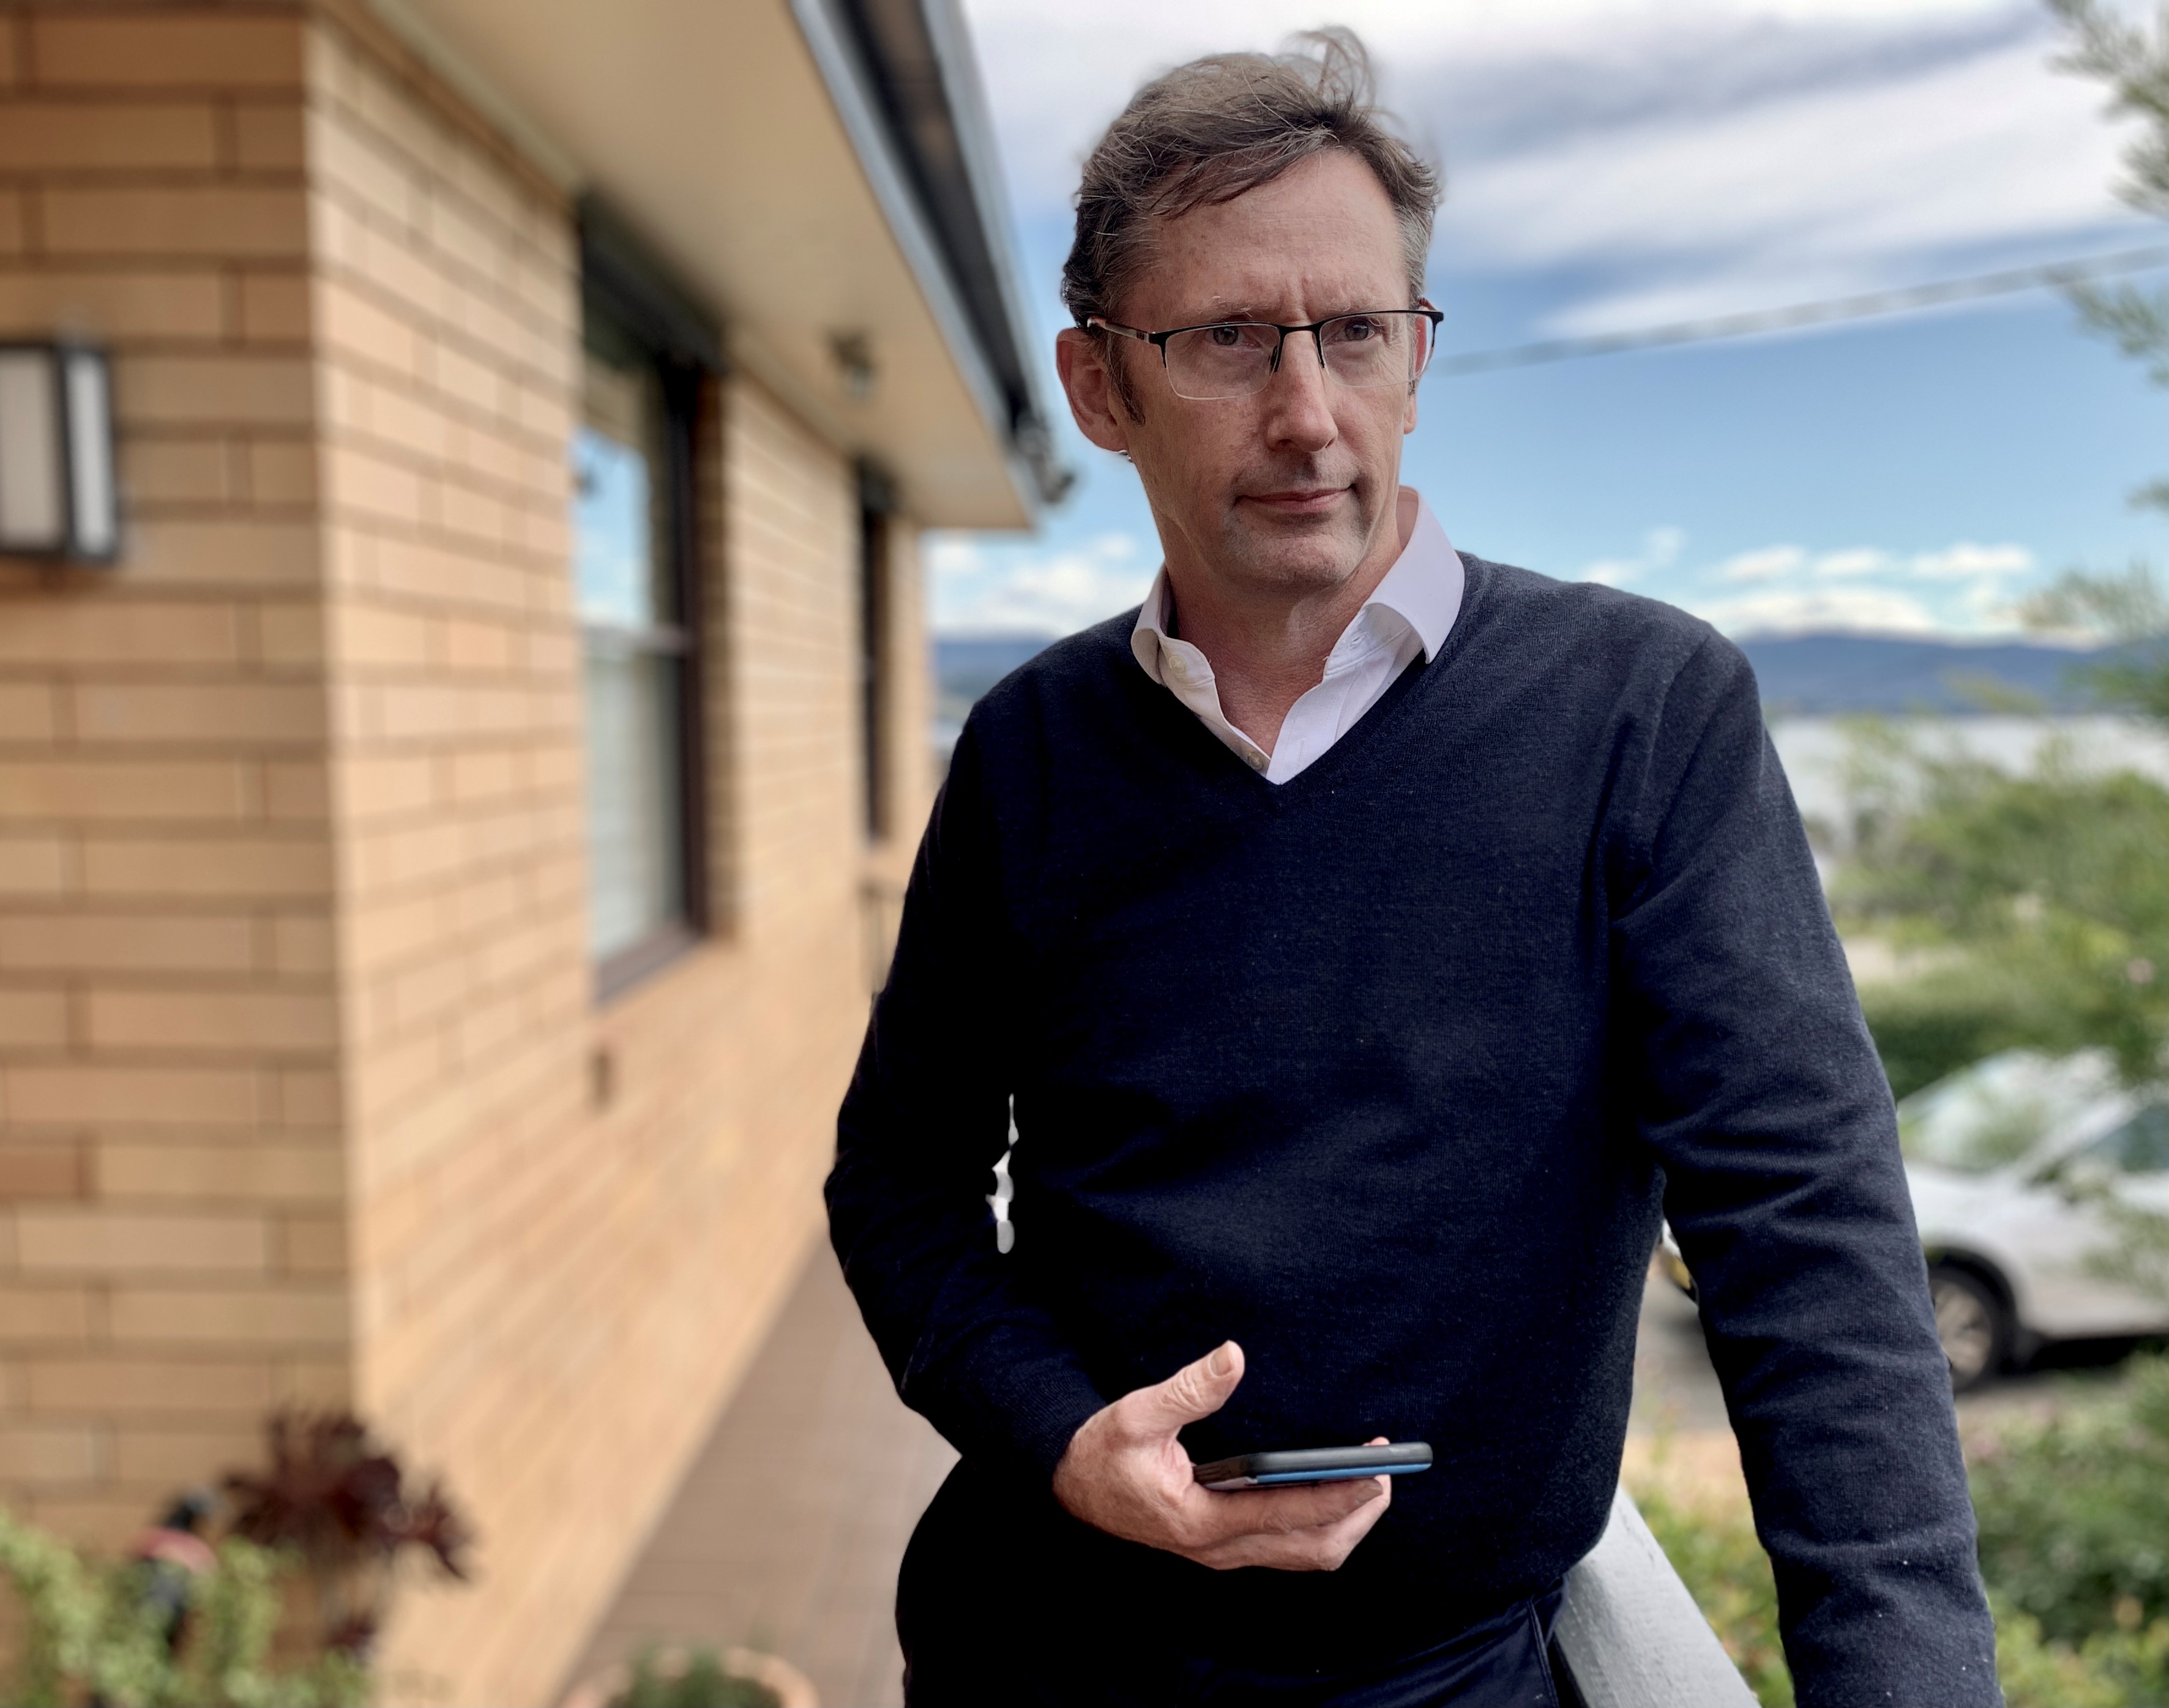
<point>902,76</point>
<point>623,273</point>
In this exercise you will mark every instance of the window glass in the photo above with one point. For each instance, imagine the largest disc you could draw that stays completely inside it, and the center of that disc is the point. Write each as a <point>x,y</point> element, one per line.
<point>621,562</point>
<point>1992,1114</point>
<point>2141,1145</point>
<point>627,585</point>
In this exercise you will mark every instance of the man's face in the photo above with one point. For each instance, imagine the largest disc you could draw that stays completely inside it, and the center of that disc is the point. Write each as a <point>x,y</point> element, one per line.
<point>1286,493</point>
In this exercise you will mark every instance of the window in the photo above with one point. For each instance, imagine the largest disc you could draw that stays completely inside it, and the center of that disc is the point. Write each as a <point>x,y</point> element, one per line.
<point>873,677</point>
<point>631,551</point>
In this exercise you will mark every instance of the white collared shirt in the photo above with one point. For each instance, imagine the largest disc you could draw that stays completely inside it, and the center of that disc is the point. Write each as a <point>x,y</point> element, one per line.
<point>1410,612</point>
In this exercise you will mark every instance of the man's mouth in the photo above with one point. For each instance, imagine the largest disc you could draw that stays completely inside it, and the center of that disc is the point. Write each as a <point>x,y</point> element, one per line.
<point>1297,501</point>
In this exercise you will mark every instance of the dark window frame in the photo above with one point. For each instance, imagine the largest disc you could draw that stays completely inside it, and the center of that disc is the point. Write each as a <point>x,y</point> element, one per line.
<point>621,283</point>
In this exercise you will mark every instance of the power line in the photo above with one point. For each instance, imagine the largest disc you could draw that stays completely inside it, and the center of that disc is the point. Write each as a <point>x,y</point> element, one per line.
<point>1868,307</point>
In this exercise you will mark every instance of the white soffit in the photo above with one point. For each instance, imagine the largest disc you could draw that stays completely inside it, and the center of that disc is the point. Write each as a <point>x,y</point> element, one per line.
<point>709,128</point>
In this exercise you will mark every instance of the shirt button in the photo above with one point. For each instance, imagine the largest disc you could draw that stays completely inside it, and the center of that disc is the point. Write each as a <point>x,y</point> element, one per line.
<point>1257,762</point>
<point>1176,666</point>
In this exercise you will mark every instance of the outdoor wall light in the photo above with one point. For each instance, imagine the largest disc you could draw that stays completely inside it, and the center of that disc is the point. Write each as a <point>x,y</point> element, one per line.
<point>58,494</point>
<point>855,364</point>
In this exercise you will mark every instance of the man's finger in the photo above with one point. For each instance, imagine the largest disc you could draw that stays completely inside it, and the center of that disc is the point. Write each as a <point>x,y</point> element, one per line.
<point>1279,1512</point>
<point>1320,1549</point>
<point>1195,1391</point>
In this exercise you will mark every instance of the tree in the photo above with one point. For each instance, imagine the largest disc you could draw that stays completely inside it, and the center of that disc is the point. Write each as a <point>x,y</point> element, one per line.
<point>2131,608</point>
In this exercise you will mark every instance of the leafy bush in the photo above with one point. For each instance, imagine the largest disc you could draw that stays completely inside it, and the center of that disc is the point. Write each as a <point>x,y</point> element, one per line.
<point>2074,1511</point>
<point>701,1682</point>
<point>1728,1575</point>
<point>93,1633</point>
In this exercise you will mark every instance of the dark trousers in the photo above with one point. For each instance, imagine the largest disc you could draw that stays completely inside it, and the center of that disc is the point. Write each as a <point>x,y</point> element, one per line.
<point>1004,1598</point>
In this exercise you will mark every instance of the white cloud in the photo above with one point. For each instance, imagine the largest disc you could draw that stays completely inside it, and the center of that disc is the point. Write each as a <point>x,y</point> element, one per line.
<point>983,587</point>
<point>1794,610</point>
<point>1770,563</point>
<point>1861,560</point>
<point>1661,550</point>
<point>1966,561</point>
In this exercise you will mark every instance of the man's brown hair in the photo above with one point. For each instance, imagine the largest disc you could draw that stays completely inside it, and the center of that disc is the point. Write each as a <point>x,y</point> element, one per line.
<point>1208,131</point>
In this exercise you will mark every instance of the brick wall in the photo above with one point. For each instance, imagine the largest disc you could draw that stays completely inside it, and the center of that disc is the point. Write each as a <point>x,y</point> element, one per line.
<point>171,1174</point>
<point>305,1090</point>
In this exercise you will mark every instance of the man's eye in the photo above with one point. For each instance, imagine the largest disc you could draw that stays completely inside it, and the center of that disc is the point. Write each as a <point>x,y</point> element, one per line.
<point>1224,337</point>
<point>1356,331</point>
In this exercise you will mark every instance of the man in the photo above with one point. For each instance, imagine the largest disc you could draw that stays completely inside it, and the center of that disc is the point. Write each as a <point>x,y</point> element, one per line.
<point>1370,942</point>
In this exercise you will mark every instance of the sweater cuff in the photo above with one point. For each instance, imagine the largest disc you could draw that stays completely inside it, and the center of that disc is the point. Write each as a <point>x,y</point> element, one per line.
<point>1022,1410</point>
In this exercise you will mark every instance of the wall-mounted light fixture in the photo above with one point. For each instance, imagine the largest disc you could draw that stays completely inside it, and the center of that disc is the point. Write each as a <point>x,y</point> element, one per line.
<point>58,494</point>
<point>854,354</point>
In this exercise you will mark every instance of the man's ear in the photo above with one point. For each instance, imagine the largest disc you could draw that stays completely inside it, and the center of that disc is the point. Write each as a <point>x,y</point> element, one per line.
<point>1081,359</point>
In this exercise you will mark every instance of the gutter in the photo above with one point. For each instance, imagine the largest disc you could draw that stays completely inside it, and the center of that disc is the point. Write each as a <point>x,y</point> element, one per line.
<point>907,89</point>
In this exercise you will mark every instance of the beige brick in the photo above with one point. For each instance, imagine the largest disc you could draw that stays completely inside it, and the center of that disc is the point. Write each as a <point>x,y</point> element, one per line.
<point>33,865</point>
<point>297,793</point>
<point>160,1097</point>
<point>11,222</point>
<point>243,714</point>
<point>289,632</point>
<point>243,223</point>
<point>131,305</point>
<point>168,551</point>
<point>302,944</point>
<point>254,1173</point>
<point>269,136</point>
<point>239,390</point>
<point>175,470</point>
<point>208,1316</point>
<point>34,1019</point>
<point>262,869</point>
<point>40,1171</point>
<point>26,711</point>
<point>180,1457</point>
<point>275,307</point>
<point>125,943</point>
<point>41,136</point>
<point>209,1019</point>
<point>32,1453</point>
<point>118,1241</point>
<point>42,1316</point>
<point>89,789</point>
<point>9,70</point>
<point>308,1099</point>
<point>102,629</point>
<point>120,1385</point>
<point>104,1523</point>
<point>309,1245</point>
<point>380,636</point>
<point>314,1383</point>
<point>141,50</point>
<point>282,471</point>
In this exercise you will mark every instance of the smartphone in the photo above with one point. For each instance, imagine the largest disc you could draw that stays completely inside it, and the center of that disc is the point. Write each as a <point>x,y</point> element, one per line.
<point>1315,1465</point>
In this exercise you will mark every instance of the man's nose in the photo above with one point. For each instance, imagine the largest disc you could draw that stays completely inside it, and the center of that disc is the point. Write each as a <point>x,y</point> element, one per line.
<point>1298,412</point>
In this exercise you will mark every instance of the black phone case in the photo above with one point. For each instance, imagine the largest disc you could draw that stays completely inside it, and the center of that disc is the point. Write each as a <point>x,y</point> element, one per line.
<point>1324,1464</point>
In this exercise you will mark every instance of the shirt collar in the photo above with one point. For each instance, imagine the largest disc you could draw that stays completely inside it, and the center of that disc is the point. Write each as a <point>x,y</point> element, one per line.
<point>1424,589</point>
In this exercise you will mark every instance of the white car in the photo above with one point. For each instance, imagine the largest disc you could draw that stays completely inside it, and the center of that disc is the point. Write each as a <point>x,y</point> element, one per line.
<point>2009,1161</point>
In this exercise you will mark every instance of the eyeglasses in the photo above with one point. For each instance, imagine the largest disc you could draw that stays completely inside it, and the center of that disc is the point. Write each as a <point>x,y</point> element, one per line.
<point>1233,359</point>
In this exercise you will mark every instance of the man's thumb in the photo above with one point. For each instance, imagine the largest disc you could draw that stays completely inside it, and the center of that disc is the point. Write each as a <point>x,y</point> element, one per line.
<point>1195,1391</point>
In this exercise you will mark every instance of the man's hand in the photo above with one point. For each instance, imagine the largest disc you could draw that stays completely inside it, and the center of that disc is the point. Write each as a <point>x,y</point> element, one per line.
<point>1126,1473</point>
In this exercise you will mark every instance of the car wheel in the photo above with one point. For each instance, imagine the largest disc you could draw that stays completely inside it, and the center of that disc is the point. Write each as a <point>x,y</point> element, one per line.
<point>1973,1324</point>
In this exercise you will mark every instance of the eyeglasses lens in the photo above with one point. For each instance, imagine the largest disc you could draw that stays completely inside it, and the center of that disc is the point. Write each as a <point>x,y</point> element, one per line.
<point>1360,350</point>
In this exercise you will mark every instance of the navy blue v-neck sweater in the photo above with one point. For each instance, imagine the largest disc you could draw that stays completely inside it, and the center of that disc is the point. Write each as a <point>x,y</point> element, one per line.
<point>1388,1072</point>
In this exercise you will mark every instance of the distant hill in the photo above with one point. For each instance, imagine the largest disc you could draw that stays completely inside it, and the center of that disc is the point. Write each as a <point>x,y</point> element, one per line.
<point>1808,675</point>
<point>1801,675</point>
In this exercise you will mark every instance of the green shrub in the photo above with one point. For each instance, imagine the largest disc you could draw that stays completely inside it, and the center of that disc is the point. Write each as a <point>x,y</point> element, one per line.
<point>90,1632</point>
<point>701,1682</point>
<point>2074,1511</point>
<point>1727,1572</point>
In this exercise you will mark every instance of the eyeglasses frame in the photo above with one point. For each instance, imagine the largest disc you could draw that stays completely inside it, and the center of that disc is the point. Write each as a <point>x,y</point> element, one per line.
<point>1423,307</point>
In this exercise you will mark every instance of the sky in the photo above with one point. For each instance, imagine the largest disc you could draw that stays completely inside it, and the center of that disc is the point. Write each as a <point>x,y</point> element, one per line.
<point>1613,165</point>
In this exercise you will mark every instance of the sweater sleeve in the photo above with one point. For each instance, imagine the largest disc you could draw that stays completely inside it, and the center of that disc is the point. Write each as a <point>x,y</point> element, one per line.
<point>1761,1092</point>
<point>922,1126</point>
